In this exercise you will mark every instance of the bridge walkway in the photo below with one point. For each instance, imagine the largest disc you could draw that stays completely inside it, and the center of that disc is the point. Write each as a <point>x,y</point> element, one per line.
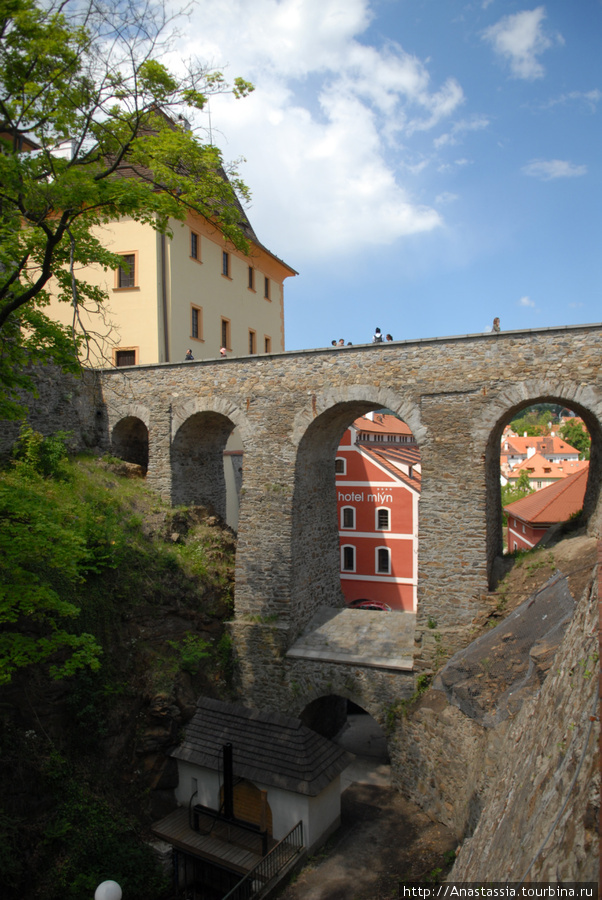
<point>371,638</point>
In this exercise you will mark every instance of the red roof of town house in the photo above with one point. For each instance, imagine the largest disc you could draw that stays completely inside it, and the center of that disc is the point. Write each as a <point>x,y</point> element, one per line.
<point>555,503</point>
<point>403,462</point>
<point>538,467</point>
<point>570,466</point>
<point>547,446</point>
<point>383,423</point>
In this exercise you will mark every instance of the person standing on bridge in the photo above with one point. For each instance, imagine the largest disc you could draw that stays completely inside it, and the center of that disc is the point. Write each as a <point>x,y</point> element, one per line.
<point>496,325</point>
<point>377,337</point>
<point>189,355</point>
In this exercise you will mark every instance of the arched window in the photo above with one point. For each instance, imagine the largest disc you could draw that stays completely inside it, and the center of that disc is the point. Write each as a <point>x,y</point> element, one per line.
<point>383,519</point>
<point>348,558</point>
<point>340,466</point>
<point>383,561</point>
<point>348,517</point>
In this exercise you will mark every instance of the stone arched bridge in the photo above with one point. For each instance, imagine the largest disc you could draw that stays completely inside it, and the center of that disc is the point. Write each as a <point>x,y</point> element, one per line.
<point>291,410</point>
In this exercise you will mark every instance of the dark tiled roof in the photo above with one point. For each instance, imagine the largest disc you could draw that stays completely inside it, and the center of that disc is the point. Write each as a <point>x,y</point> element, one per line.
<point>267,747</point>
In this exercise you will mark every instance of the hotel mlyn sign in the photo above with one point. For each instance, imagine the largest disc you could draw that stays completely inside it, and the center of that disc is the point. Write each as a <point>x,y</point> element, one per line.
<point>378,489</point>
<point>371,498</point>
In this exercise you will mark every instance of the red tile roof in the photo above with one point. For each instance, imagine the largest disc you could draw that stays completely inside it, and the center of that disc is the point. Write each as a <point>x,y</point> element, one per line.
<point>538,467</point>
<point>383,424</point>
<point>396,460</point>
<point>555,503</point>
<point>547,446</point>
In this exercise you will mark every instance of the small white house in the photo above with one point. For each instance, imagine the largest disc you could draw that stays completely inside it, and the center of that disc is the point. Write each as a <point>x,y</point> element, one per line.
<point>283,772</point>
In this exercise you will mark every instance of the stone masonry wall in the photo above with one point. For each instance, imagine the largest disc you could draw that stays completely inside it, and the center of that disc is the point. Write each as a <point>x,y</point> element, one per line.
<point>291,410</point>
<point>64,403</point>
<point>548,774</point>
<point>506,785</point>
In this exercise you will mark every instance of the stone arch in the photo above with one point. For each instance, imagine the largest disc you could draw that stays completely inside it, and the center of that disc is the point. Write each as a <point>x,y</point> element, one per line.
<point>583,401</point>
<point>129,438</point>
<point>317,434</point>
<point>200,431</point>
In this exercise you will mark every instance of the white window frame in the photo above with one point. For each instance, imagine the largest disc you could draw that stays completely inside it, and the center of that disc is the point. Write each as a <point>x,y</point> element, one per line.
<point>377,527</point>
<point>344,461</point>
<point>377,569</point>
<point>348,527</point>
<point>348,547</point>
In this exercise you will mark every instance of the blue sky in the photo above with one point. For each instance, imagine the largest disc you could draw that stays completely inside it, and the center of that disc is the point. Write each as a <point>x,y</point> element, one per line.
<point>425,165</point>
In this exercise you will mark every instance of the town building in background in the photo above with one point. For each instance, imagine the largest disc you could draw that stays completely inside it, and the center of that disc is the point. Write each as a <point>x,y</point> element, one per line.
<point>530,517</point>
<point>378,479</point>
<point>191,291</point>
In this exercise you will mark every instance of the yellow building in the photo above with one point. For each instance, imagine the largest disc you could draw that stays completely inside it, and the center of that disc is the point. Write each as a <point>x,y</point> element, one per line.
<point>191,291</point>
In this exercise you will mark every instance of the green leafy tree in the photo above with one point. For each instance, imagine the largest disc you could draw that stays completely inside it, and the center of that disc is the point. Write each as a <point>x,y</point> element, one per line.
<point>43,559</point>
<point>575,434</point>
<point>512,492</point>
<point>91,75</point>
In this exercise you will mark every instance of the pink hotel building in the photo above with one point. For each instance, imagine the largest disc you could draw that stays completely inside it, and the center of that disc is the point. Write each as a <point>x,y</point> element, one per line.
<point>378,480</point>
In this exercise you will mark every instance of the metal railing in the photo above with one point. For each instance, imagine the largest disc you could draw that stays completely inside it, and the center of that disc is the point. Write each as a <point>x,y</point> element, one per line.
<point>255,881</point>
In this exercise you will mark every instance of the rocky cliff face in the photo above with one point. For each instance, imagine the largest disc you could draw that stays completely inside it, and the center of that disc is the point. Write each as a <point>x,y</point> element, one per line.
<point>540,815</point>
<point>502,781</point>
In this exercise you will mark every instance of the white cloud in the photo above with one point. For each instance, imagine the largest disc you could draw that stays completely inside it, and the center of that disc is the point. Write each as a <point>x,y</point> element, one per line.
<point>452,137</point>
<point>520,40</point>
<point>589,98</point>
<point>446,197</point>
<point>326,131</point>
<point>550,169</point>
<point>526,301</point>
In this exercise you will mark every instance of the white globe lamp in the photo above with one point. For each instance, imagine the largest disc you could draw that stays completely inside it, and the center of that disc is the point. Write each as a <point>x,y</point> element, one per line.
<point>108,890</point>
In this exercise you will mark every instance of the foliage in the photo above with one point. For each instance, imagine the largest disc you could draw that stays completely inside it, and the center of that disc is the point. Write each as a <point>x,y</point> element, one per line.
<point>79,837</point>
<point>191,650</point>
<point>91,74</point>
<point>44,455</point>
<point>107,559</point>
<point>536,419</point>
<point>575,434</point>
<point>72,551</point>
<point>44,553</point>
<point>512,492</point>
<point>401,708</point>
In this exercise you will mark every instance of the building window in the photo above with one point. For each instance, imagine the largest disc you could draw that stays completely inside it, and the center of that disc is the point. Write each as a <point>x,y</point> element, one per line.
<point>383,519</point>
<point>340,466</point>
<point>251,278</point>
<point>348,517</point>
<point>383,560</point>
<point>266,288</point>
<point>348,558</point>
<point>225,264</point>
<point>127,276</point>
<point>226,333</point>
<point>195,245</point>
<point>196,323</point>
<point>125,357</point>
<point>252,342</point>
<point>267,344</point>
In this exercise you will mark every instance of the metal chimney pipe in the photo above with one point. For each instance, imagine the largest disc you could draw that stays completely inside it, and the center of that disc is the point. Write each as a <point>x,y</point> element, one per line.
<point>228,782</point>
